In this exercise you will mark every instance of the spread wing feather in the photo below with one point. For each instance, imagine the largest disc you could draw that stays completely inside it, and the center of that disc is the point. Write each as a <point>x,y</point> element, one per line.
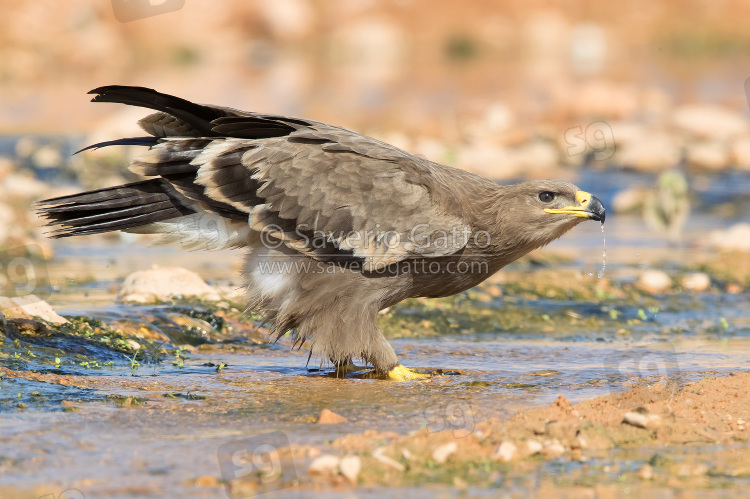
<point>321,190</point>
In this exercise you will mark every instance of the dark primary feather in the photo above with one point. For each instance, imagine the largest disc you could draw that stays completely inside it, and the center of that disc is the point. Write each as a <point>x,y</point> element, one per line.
<point>113,208</point>
<point>131,141</point>
<point>198,116</point>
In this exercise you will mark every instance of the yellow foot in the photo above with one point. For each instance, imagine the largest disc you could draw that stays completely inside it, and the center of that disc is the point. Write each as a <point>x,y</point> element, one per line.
<point>401,373</point>
<point>343,369</point>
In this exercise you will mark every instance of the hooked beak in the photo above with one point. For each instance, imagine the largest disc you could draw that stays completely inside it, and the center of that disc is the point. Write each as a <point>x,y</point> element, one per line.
<point>588,207</point>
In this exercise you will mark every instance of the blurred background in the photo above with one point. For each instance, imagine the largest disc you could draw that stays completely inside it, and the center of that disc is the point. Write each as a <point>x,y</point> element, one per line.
<point>644,105</point>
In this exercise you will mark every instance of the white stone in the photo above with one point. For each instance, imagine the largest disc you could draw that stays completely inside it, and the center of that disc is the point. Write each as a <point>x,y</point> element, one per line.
<point>28,307</point>
<point>642,420</point>
<point>288,19</point>
<point>740,153</point>
<point>654,281</point>
<point>350,467</point>
<point>444,451</point>
<point>162,283</point>
<point>553,448</point>
<point>379,455</point>
<point>489,160</point>
<point>532,446</point>
<point>7,221</point>
<point>653,152</point>
<point>696,281</point>
<point>326,464</point>
<point>631,199</point>
<point>734,238</point>
<point>707,155</point>
<point>708,121</point>
<point>506,452</point>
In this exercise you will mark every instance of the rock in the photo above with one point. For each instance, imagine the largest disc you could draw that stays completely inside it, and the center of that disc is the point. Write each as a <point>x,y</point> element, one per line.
<point>735,238</point>
<point>696,281</point>
<point>653,152</point>
<point>23,186</point>
<point>506,452</point>
<point>707,155</point>
<point>288,19</point>
<point>646,472</point>
<point>162,283</point>
<point>350,466</point>
<point>537,158</point>
<point>372,46</point>
<point>734,288</point>
<point>326,464</point>
<point>489,160</point>
<point>443,452</point>
<point>7,221</point>
<point>532,446</point>
<point>7,166</point>
<point>379,455</point>
<point>207,481</point>
<point>739,153</point>
<point>47,156</point>
<point>588,48</point>
<point>329,417</point>
<point>654,281</point>
<point>630,200</point>
<point>553,448</point>
<point>28,307</point>
<point>642,419</point>
<point>707,121</point>
<point>605,99</point>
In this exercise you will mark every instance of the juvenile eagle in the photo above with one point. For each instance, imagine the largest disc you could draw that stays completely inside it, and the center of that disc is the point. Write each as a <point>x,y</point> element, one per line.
<point>336,225</point>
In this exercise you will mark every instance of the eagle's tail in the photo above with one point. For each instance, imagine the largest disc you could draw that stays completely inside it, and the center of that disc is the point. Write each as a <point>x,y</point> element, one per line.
<point>113,208</point>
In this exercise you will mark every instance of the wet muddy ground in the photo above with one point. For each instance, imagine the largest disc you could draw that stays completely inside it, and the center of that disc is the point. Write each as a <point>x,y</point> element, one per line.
<point>189,399</point>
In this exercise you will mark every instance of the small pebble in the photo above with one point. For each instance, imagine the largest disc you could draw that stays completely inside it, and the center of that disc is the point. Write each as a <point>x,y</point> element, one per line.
<point>553,448</point>
<point>646,472</point>
<point>379,455</point>
<point>506,452</point>
<point>206,481</point>
<point>323,465</point>
<point>533,446</point>
<point>654,281</point>
<point>443,452</point>
<point>696,281</point>
<point>350,466</point>
<point>329,417</point>
<point>642,420</point>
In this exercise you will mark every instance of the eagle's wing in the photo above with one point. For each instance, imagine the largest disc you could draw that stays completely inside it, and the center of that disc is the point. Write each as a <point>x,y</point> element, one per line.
<point>323,191</point>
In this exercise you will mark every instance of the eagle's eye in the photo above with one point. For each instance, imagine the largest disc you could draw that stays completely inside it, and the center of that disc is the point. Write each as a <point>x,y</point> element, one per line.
<point>546,196</point>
